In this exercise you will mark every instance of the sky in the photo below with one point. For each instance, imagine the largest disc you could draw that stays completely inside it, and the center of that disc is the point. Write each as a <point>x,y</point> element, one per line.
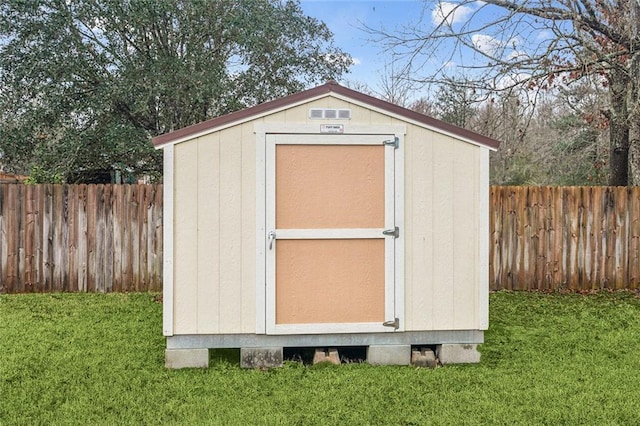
<point>345,18</point>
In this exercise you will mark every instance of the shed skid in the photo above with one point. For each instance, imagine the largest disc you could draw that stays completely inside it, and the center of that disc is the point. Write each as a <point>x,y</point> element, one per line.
<point>414,338</point>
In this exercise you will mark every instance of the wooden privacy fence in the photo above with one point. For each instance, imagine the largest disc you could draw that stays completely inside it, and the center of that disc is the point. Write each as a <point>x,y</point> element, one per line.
<point>109,238</point>
<point>80,238</point>
<point>554,238</point>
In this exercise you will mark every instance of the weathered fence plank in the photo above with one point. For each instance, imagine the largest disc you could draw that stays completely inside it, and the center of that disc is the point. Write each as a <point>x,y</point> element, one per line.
<point>80,238</point>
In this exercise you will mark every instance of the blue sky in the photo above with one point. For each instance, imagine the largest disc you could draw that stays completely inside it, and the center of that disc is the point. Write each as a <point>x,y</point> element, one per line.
<point>345,18</point>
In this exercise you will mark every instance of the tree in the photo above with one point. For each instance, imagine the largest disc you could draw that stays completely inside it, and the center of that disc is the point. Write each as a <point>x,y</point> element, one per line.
<point>456,102</point>
<point>84,84</point>
<point>539,45</point>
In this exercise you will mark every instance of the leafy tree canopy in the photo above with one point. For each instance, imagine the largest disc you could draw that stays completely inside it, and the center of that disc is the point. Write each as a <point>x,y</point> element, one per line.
<point>84,84</point>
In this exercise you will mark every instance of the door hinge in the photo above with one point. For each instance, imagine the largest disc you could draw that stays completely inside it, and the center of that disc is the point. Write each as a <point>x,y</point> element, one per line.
<point>395,142</point>
<point>395,232</point>
<point>395,323</point>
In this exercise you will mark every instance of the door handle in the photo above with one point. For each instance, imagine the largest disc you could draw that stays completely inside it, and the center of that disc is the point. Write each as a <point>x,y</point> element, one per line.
<point>395,323</point>
<point>272,236</point>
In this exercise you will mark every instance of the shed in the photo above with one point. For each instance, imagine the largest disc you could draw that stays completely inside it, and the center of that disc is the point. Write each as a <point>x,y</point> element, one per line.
<point>326,218</point>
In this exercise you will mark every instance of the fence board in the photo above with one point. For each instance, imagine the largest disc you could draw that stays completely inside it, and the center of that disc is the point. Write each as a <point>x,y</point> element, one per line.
<point>99,238</point>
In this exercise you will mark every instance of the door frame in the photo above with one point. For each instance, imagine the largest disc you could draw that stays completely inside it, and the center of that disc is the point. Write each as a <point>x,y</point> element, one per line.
<point>265,296</point>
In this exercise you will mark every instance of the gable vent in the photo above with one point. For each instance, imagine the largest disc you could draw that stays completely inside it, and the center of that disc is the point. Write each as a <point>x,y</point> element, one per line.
<point>330,113</point>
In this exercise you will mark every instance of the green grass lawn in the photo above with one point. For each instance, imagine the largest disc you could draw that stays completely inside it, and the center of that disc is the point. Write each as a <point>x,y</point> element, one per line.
<point>98,359</point>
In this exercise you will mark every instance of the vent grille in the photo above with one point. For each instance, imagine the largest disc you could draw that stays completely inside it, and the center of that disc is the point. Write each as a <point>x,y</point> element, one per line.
<point>330,113</point>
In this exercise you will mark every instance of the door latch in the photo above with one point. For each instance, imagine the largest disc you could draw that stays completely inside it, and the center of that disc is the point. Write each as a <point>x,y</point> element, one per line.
<point>395,323</point>
<point>395,232</point>
<point>272,236</point>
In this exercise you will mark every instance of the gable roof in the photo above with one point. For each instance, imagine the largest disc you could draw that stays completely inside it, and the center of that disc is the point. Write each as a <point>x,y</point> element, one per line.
<point>330,87</point>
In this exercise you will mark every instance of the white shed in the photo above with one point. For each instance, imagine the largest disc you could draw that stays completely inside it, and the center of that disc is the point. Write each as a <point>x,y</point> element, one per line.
<point>326,218</point>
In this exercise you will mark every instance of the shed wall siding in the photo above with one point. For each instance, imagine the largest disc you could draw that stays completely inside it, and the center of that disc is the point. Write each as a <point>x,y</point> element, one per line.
<point>216,192</point>
<point>441,247</point>
<point>215,261</point>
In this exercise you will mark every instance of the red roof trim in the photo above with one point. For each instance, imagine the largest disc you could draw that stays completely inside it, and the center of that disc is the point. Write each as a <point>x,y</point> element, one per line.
<point>329,87</point>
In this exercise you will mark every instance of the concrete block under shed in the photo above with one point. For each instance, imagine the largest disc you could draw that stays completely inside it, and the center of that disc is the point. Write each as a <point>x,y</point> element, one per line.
<point>330,355</point>
<point>261,357</point>
<point>458,354</point>
<point>186,358</point>
<point>389,354</point>
<point>423,358</point>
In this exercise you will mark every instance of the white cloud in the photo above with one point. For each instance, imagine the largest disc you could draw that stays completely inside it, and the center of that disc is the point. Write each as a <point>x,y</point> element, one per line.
<point>544,35</point>
<point>449,13</point>
<point>512,80</point>
<point>486,44</point>
<point>518,55</point>
<point>356,61</point>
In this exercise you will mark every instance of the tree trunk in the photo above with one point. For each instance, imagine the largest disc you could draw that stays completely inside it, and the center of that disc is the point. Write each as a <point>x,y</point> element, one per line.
<point>634,146</point>
<point>633,105</point>
<point>618,130</point>
<point>618,153</point>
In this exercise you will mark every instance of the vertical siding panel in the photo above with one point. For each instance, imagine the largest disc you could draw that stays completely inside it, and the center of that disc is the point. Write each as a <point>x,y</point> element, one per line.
<point>209,243</point>
<point>465,243</point>
<point>231,231</point>
<point>465,235</point>
<point>185,238</point>
<point>249,228</point>
<point>419,221</point>
<point>411,149</point>
<point>443,229</point>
